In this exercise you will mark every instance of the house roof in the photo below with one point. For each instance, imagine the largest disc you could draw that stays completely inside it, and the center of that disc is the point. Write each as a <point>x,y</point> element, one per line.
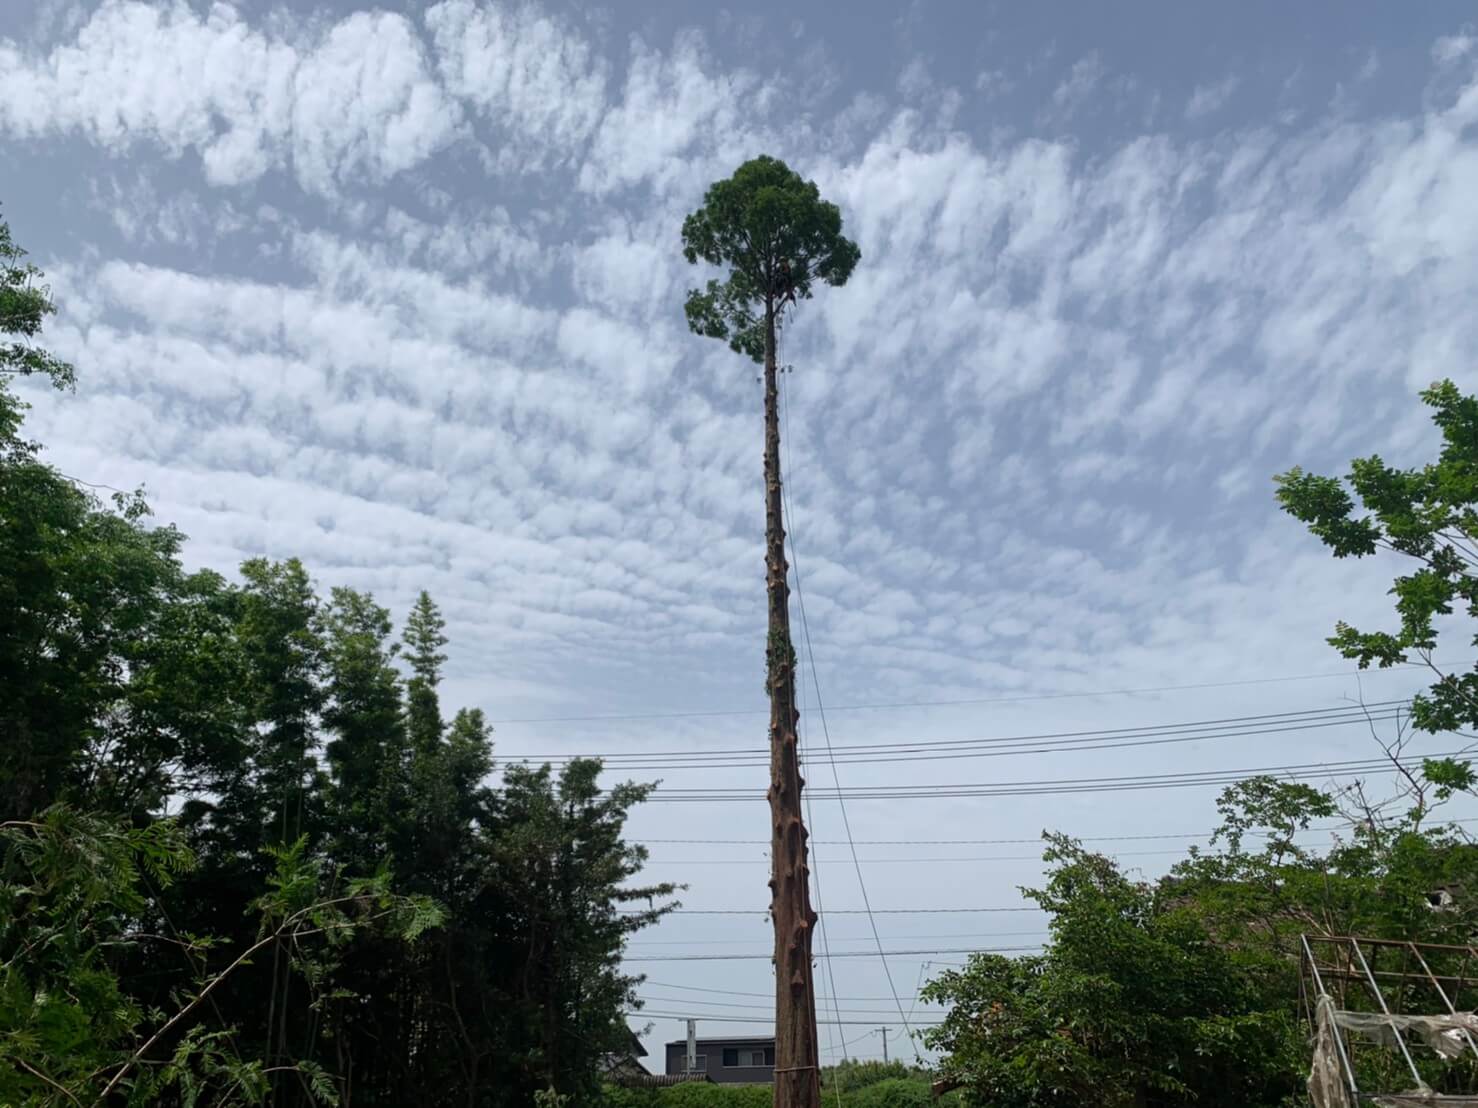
<point>658,1080</point>
<point>638,1049</point>
<point>766,1040</point>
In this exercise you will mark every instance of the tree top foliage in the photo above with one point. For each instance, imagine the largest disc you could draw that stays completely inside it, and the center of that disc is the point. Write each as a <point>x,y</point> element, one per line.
<point>24,305</point>
<point>244,856</point>
<point>764,218</point>
<point>1428,514</point>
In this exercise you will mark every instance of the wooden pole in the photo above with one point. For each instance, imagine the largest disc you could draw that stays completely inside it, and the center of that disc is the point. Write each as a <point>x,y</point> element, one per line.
<point>797,1074</point>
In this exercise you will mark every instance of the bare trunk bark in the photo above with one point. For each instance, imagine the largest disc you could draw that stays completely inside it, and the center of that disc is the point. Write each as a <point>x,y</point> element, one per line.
<point>797,1073</point>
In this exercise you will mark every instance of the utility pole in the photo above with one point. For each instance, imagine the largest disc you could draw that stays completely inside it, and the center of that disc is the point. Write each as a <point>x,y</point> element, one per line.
<point>692,1060</point>
<point>798,1059</point>
<point>883,1031</point>
<point>778,238</point>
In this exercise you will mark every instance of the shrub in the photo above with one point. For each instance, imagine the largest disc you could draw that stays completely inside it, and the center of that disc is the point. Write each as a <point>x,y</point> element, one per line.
<point>851,1074</point>
<point>893,1092</point>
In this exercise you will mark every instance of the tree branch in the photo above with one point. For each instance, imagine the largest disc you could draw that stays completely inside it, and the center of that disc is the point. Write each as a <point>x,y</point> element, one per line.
<point>54,1084</point>
<point>245,956</point>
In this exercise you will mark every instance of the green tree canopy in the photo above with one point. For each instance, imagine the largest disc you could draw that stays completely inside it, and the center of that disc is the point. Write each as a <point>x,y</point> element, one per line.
<point>760,222</point>
<point>222,855</point>
<point>24,305</point>
<point>1429,515</point>
<point>1130,1005</point>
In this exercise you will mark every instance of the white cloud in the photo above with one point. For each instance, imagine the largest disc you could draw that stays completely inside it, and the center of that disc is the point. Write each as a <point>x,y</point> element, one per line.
<point>363,102</point>
<point>1207,99</point>
<point>531,75</point>
<point>1027,445</point>
<point>490,242</point>
<point>1451,48</point>
<point>1084,77</point>
<point>355,102</point>
<point>993,83</point>
<point>675,104</point>
<point>915,80</point>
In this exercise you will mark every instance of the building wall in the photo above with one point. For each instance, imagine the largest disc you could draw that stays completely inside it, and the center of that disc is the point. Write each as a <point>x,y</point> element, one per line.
<point>711,1062</point>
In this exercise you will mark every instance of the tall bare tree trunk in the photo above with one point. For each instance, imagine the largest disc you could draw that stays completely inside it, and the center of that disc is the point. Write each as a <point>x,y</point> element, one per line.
<point>797,1073</point>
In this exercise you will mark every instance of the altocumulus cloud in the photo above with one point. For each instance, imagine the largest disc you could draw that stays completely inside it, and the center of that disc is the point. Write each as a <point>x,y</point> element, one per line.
<point>400,294</point>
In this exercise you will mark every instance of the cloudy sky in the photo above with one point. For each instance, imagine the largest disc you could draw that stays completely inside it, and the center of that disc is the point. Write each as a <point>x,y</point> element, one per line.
<point>398,290</point>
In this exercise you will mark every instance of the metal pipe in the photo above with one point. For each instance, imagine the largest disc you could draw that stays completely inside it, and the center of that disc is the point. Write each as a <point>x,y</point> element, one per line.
<point>1341,940</point>
<point>1339,1039</point>
<point>1381,1000</point>
<point>1443,994</point>
<point>1336,973</point>
<point>1462,976</point>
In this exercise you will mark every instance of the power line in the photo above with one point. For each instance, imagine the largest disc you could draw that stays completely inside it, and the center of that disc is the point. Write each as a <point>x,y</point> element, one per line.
<point>843,939</point>
<point>1267,723</point>
<point>846,1042</point>
<point>814,866</point>
<point>686,1002</point>
<point>832,911</point>
<point>725,1018</point>
<point>830,752</point>
<point>954,703</point>
<point>95,484</point>
<point>733,992</point>
<point>1189,835</point>
<point>901,861</point>
<point>1191,839</point>
<point>1051,786</point>
<point>982,748</point>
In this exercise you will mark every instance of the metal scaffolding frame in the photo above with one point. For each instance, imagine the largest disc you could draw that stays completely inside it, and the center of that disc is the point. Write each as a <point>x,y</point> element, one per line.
<point>1358,992</point>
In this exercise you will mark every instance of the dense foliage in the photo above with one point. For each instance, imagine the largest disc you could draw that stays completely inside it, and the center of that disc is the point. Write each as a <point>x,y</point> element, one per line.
<point>1130,1004</point>
<point>1185,991</point>
<point>899,1090</point>
<point>247,855</point>
<point>770,229</point>
<point>1430,516</point>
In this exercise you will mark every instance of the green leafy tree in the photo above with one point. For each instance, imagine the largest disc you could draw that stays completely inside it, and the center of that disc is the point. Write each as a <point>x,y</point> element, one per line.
<point>774,234</point>
<point>25,302</point>
<point>437,829</point>
<point>98,702</point>
<point>70,885</point>
<point>280,636</point>
<point>897,1092</point>
<point>1264,889</point>
<point>424,638</point>
<point>1430,516</point>
<point>272,939</point>
<point>851,1074</point>
<point>66,882</point>
<point>83,648</point>
<point>1129,1005</point>
<point>769,229</point>
<point>564,873</point>
<point>364,713</point>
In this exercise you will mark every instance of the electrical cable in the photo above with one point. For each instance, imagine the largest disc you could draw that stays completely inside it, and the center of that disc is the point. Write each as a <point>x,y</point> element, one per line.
<point>1191,835</point>
<point>1267,723</point>
<point>724,1018</point>
<point>846,939</point>
<point>834,911</point>
<point>814,865</point>
<point>758,1007</point>
<point>733,992</point>
<point>1303,771</point>
<point>904,861</point>
<point>789,518</point>
<point>961,702</point>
